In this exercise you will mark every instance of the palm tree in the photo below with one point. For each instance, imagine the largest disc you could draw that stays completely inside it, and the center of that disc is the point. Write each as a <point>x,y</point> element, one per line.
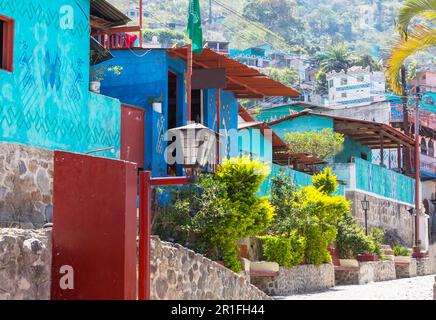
<point>367,60</point>
<point>337,58</point>
<point>413,38</point>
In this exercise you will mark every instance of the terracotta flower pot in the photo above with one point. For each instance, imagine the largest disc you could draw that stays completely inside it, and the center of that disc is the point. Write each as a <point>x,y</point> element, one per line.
<point>367,257</point>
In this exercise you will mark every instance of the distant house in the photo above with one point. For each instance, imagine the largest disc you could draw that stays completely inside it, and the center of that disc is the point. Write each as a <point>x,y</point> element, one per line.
<point>355,87</point>
<point>221,47</point>
<point>254,57</point>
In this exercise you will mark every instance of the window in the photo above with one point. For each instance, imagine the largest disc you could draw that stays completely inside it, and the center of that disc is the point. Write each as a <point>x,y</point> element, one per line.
<point>344,81</point>
<point>6,43</point>
<point>431,148</point>
<point>331,83</point>
<point>360,79</point>
<point>343,94</point>
<point>423,146</point>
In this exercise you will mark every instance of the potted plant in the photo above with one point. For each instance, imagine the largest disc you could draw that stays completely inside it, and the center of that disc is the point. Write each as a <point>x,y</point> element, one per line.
<point>97,76</point>
<point>156,103</point>
<point>367,256</point>
<point>402,254</point>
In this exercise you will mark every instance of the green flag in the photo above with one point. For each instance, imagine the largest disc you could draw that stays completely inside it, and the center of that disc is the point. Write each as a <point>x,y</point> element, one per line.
<point>195,31</point>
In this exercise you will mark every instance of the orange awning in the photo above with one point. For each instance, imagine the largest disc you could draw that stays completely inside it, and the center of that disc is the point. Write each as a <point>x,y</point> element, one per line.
<point>243,81</point>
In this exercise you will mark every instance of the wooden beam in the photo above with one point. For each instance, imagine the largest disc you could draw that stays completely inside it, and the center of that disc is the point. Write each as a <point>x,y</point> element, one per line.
<point>382,150</point>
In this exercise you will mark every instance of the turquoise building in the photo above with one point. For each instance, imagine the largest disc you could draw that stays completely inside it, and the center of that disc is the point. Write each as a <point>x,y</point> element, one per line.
<point>160,74</point>
<point>353,165</point>
<point>44,78</point>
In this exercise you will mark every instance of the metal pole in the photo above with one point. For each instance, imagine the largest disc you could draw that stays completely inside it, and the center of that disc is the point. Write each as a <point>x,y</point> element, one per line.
<point>366,222</point>
<point>145,184</point>
<point>140,23</point>
<point>144,235</point>
<point>417,169</point>
<point>218,117</point>
<point>188,82</point>
<point>406,127</point>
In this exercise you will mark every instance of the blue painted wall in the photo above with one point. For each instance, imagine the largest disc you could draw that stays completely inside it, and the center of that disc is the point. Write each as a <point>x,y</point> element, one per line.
<point>351,149</point>
<point>302,124</point>
<point>253,143</point>
<point>145,75</point>
<point>277,113</point>
<point>45,101</point>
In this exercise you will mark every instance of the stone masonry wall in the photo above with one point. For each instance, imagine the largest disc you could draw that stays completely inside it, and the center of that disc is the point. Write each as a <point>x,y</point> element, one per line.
<point>25,264</point>
<point>26,186</point>
<point>301,279</point>
<point>371,271</point>
<point>384,214</point>
<point>408,270</point>
<point>180,274</point>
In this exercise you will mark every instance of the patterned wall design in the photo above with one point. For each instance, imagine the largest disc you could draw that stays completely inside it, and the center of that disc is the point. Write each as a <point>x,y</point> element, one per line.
<point>45,102</point>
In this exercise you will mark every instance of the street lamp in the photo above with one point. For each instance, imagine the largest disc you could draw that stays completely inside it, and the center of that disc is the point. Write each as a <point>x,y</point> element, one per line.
<point>195,144</point>
<point>365,207</point>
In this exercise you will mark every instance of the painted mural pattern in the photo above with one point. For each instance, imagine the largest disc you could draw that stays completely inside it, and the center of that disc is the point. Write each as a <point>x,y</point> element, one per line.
<point>45,101</point>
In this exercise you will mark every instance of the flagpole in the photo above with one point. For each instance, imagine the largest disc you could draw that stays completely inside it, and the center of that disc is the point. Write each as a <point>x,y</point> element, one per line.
<point>188,82</point>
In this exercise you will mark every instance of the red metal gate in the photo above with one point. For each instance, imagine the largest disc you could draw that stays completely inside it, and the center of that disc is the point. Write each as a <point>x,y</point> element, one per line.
<point>94,228</point>
<point>132,134</point>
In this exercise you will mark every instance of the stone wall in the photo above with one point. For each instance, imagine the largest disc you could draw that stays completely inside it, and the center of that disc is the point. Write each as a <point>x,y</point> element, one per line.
<point>25,264</point>
<point>371,271</point>
<point>26,186</point>
<point>383,213</point>
<point>408,270</point>
<point>301,279</point>
<point>180,274</point>
<point>424,266</point>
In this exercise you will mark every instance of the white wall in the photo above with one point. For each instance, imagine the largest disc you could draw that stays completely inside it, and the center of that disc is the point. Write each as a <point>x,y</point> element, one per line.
<point>356,87</point>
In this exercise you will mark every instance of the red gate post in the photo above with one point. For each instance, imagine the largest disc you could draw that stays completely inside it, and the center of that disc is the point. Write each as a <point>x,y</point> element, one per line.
<point>145,184</point>
<point>144,235</point>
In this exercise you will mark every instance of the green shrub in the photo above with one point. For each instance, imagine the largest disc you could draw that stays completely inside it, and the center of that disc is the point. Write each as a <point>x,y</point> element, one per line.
<point>401,251</point>
<point>377,236</point>
<point>229,209</point>
<point>286,250</point>
<point>351,239</point>
<point>325,181</point>
<point>311,213</point>
<point>323,144</point>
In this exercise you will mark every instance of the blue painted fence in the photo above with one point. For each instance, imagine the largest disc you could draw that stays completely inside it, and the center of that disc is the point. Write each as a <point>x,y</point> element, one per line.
<point>384,182</point>
<point>298,178</point>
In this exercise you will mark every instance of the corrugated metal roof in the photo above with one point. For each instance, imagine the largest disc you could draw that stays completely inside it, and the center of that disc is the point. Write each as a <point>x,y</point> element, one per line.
<point>244,81</point>
<point>104,10</point>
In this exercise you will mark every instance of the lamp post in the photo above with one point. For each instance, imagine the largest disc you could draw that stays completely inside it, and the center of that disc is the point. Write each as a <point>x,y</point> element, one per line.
<point>196,146</point>
<point>365,207</point>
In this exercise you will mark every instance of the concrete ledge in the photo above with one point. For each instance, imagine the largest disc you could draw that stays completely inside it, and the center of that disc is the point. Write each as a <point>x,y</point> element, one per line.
<point>300,279</point>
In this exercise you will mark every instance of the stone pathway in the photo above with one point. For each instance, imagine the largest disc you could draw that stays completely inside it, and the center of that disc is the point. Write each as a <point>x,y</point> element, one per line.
<point>419,288</point>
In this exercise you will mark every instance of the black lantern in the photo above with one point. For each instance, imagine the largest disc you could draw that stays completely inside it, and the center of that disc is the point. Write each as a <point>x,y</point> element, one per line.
<point>365,207</point>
